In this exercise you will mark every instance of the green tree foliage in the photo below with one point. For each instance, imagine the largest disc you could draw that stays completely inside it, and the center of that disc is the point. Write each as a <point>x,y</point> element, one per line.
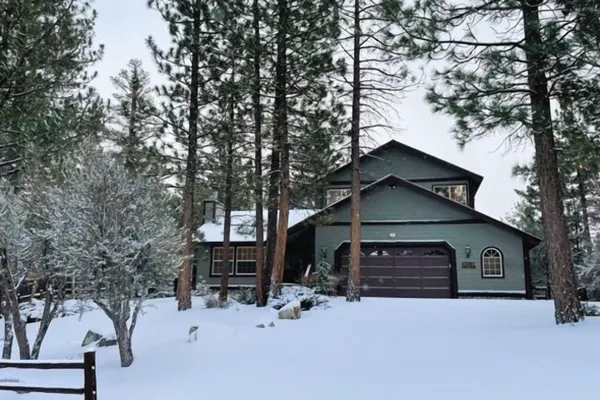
<point>46,106</point>
<point>134,129</point>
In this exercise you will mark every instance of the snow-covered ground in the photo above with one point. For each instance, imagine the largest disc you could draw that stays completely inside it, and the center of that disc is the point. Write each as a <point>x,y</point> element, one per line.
<point>376,349</point>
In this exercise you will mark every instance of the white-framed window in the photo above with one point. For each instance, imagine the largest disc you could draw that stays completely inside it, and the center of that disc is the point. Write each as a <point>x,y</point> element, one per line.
<point>245,262</point>
<point>492,263</point>
<point>334,195</point>
<point>217,260</point>
<point>457,193</point>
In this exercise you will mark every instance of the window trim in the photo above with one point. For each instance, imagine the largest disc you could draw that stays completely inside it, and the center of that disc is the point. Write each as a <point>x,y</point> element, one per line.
<point>465,184</point>
<point>237,259</point>
<point>501,256</point>
<point>212,261</point>
<point>336,189</point>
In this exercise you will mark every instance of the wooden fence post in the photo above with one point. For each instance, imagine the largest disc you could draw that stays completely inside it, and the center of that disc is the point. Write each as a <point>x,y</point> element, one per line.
<point>89,373</point>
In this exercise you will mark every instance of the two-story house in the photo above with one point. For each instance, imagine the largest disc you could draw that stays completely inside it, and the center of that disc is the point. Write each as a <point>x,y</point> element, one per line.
<point>421,235</point>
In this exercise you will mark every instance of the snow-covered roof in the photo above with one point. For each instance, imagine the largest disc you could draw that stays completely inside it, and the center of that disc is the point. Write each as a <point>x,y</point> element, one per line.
<point>242,225</point>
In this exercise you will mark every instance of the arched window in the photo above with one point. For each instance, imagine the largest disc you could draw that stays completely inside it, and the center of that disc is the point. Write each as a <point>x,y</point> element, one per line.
<point>492,263</point>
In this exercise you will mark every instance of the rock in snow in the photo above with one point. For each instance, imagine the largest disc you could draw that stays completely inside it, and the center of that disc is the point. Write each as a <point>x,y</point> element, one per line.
<point>90,337</point>
<point>107,341</point>
<point>290,310</point>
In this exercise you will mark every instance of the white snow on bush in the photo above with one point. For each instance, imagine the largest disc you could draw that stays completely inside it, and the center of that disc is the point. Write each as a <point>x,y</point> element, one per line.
<point>33,309</point>
<point>300,294</point>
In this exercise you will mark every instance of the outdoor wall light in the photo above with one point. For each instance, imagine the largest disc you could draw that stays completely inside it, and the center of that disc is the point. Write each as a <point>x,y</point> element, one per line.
<point>467,251</point>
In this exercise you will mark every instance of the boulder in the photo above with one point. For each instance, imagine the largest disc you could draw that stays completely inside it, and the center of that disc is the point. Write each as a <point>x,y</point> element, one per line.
<point>272,324</point>
<point>90,337</point>
<point>260,325</point>
<point>290,311</point>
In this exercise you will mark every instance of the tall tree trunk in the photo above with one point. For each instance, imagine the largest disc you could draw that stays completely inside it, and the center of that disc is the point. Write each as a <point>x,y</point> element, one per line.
<point>12,302</point>
<point>258,186</point>
<point>7,321</point>
<point>227,259</point>
<point>353,289</point>
<point>274,175</point>
<point>6,318</point>
<point>585,218</point>
<point>20,329</point>
<point>272,211</point>
<point>184,281</point>
<point>131,139</point>
<point>8,335</point>
<point>564,290</point>
<point>50,309</point>
<point>281,129</point>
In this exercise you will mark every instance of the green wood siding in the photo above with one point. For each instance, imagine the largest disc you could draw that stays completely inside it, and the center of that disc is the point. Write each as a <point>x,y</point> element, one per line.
<point>425,172</point>
<point>384,203</point>
<point>202,263</point>
<point>403,204</point>
<point>397,162</point>
<point>477,235</point>
<point>426,185</point>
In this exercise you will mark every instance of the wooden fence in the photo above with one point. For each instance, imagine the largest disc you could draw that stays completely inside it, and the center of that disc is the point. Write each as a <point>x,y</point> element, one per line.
<point>88,365</point>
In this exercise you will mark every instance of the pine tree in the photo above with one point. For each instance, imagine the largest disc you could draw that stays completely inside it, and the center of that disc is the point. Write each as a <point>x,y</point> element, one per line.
<point>304,99</point>
<point>379,74</point>
<point>188,67</point>
<point>134,130</point>
<point>510,91</point>
<point>257,110</point>
<point>281,142</point>
<point>45,104</point>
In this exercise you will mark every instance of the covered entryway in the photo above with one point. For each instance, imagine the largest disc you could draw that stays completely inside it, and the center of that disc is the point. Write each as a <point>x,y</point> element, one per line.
<point>402,270</point>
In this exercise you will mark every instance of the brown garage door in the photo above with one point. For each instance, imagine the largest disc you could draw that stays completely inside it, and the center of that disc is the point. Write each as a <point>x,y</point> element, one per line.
<point>402,271</point>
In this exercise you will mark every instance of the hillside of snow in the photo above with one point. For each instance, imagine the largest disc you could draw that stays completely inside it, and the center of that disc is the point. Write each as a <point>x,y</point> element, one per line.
<point>375,349</point>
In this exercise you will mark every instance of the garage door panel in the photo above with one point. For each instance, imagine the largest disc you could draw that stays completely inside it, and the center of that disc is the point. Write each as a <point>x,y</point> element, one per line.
<point>371,261</point>
<point>372,271</point>
<point>410,282</point>
<point>374,291</point>
<point>377,270</point>
<point>377,280</point>
<point>377,261</point>
<point>434,252</point>
<point>435,261</point>
<point>400,272</point>
<point>435,282</point>
<point>403,271</point>
<point>412,260</point>
<point>436,293</point>
<point>415,293</point>
<point>436,271</point>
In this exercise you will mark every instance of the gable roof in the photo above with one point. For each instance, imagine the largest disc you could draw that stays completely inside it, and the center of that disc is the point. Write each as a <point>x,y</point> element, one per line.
<point>394,144</point>
<point>242,225</point>
<point>533,240</point>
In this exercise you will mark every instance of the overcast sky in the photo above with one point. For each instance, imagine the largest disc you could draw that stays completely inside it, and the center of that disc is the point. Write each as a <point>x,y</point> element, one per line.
<point>123,26</point>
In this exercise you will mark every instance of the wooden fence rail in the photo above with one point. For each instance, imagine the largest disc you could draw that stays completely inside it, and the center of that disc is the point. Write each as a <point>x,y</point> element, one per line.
<point>88,365</point>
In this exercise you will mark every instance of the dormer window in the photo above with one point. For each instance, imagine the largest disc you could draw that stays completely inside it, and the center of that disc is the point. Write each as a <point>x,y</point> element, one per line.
<point>335,195</point>
<point>457,193</point>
